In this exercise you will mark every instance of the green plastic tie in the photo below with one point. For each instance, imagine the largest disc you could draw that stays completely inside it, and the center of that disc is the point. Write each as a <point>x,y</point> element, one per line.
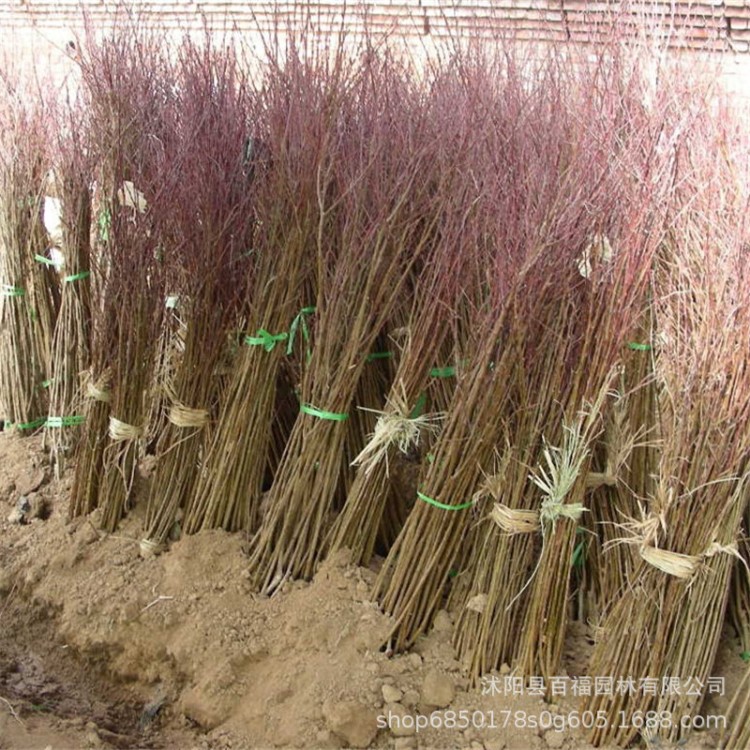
<point>443,372</point>
<point>45,261</point>
<point>745,656</point>
<point>321,414</point>
<point>78,276</point>
<point>443,506</point>
<point>12,291</point>
<point>33,425</point>
<point>46,383</point>
<point>300,322</point>
<point>636,346</point>
<point>265,339</point>
<point>379,355</point>
<point>72,421</point>
<point>578,555</point>
<point>418,409</point>
<point>452,573</point>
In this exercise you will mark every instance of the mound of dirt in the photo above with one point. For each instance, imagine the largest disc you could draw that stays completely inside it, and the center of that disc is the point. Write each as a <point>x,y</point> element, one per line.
<point>101,647</point>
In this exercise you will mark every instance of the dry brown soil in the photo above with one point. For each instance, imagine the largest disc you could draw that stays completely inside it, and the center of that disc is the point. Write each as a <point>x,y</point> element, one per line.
<point>100,648</point>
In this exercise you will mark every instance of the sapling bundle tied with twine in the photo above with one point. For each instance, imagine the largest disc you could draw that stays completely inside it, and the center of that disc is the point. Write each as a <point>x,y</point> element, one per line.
<point>70,345</point>
<point>524,259</point>
<point>406,423</point>
<point>209,224</point>
<point>25,307</point>
<point>168,356</point>
<point>127,85</point>
<point>623,468</point>
<point>379,199</point>
<point>368,400</point>
<point>523,582</point>
<point>289,156</point>
<point>668,619</point>
<point>96,393</point>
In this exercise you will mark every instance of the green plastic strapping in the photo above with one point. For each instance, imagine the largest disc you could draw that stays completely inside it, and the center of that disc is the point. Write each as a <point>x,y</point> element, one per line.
<point>33,425</point>
<point>78,276</point>
<point>745,656</point>
<point>57,422</point>
<point>71,421</point>
<point>442,372</point>
<point>578,555</point>
<point>379,355</point>
<point>635,346</point>
<point>46,383</point>
<point>45,261</point>
<point>12,291</point>
<point>452,573</point>
<point>300,322</point>
<point>418,409</point>
<point>443,506</point>
<point>265,339</point>
<point>321,414</point>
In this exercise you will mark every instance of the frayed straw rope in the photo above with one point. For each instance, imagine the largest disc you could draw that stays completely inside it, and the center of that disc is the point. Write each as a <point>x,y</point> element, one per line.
<point>530,521</point>
<point>515,521</point>
<point>553,509</point>
<point>596,479</point>
<point>396,427</point>
<point>121,431</point>
<point>98,391</point>
<point>150,548</point>
<point>683,566</point>
<point>183,416</point>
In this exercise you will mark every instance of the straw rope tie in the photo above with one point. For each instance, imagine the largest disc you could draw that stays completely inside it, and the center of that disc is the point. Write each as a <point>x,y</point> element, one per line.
<point>597,479</point>
<point>97,391</point>
<point>149,548</point>
<point>396,428</point>
<point>515,521</point>
<point>120,431</point>
<point>680,565</point>
<point>552,510</point>
<point>522,521</point>
<point>183,416</point>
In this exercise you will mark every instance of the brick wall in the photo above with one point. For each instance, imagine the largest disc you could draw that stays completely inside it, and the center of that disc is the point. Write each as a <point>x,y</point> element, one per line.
<point>39,29</point>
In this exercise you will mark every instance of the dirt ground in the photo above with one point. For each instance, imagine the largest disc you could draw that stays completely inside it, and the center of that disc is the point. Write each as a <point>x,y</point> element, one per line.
<point>100,648</point>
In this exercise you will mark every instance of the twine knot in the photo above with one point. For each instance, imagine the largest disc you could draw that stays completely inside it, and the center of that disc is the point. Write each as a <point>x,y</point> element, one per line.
<point>120,431</point>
